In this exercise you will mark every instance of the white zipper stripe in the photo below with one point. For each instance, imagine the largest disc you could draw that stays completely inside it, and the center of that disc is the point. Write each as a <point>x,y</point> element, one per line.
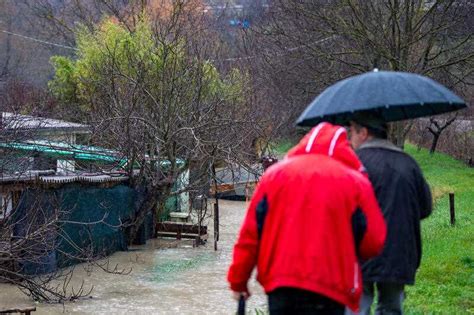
<point>334,140</point>
<point>313,137</point>
<point>356,276</point>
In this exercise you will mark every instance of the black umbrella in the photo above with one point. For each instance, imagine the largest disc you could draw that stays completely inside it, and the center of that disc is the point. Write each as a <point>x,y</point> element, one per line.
<point>388,94</point>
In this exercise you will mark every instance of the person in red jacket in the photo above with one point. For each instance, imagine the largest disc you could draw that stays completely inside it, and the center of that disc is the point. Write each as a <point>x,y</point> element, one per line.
<point>311,216</point>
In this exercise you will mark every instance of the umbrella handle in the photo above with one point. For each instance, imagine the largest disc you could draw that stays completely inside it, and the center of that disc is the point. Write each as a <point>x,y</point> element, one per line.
<point>241,306</point>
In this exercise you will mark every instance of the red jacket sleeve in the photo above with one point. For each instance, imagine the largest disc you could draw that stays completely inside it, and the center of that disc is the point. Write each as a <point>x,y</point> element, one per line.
<point>246,249</point>
<point>374,238</point>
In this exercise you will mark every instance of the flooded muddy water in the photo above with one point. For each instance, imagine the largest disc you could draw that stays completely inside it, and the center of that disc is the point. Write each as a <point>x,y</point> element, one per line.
<point>179,280</point>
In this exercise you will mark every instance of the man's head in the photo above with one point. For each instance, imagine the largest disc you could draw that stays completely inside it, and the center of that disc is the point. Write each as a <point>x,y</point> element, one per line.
<point>365,127</point>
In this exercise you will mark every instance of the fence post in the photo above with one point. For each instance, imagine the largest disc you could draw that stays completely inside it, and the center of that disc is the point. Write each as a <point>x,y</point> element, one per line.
<point>216,207</point>
<point>452,212</point>
<point>216,225</point>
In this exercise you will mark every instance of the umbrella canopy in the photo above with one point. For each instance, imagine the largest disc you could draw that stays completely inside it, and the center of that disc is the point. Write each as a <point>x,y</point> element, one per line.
<point>390,95</point>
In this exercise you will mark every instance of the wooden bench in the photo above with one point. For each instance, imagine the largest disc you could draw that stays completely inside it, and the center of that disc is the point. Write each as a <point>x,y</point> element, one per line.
<point>179,216</point>
<point>180,230</point>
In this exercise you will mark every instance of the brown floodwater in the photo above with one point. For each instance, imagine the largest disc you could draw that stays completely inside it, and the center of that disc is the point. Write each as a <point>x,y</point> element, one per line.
<point>176,280</point>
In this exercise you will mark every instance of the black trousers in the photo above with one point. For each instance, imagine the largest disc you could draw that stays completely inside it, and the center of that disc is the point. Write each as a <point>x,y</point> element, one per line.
<point>296,301</point>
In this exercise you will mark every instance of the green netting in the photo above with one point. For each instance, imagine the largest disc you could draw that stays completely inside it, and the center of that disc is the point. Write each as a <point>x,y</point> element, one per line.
<point>103,210</point>
<point>91,218</point>
<point>33,211</point>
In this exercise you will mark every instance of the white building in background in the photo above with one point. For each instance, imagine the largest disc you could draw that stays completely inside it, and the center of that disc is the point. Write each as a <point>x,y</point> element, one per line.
<point>20,128</point>
<point>27,127</point>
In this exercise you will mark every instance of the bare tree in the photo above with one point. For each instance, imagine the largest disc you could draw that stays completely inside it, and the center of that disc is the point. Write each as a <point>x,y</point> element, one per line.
<point>161,102</point>
<point>436,128</point>
<point>323,41</point>
<point>455,139</point>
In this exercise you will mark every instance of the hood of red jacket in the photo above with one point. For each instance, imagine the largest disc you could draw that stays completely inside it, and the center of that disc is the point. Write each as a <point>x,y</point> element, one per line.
<point>329,140</point>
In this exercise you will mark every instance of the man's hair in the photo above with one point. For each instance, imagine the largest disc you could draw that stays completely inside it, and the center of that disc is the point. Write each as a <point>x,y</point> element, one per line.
<point>379,132</point>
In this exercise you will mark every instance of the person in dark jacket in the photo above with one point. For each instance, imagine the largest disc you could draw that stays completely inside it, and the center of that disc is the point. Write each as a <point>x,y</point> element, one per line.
<point>299,228</point>
<point>405,199</point>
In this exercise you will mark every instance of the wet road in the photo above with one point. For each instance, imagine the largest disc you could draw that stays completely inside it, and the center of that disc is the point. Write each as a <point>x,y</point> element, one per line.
<point>182,280</point>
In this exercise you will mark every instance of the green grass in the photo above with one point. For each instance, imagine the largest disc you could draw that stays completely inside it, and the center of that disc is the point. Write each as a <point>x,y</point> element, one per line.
<point>445,280</point>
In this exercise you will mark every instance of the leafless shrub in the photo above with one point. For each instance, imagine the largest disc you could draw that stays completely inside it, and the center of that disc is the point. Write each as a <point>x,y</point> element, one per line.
<point>457,139</point>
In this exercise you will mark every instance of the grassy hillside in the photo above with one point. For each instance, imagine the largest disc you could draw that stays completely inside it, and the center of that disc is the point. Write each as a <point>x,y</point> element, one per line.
<point>445,281</point>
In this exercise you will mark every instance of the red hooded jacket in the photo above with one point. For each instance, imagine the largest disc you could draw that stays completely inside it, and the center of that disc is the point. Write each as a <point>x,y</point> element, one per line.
<point>299,226</point>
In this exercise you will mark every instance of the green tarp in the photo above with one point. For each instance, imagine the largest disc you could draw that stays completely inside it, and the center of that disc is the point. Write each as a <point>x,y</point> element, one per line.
<point>90,220</point>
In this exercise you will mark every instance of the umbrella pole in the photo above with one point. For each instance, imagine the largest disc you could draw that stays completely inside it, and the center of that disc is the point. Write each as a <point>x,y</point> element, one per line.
<point>241,306</point>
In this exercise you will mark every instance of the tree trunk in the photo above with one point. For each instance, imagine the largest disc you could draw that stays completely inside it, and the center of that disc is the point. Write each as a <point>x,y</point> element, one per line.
<point>434,143</point>
<point>396,133</point>
<point>148,204</point>
<point>436,128</point>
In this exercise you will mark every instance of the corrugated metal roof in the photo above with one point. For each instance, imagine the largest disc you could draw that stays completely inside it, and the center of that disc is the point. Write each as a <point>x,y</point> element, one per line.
<point>49,177</point>
<point>14,121</point>
<point>84,179</point>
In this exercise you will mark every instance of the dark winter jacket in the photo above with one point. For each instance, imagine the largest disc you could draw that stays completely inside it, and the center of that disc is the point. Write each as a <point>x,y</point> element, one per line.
<point>405,199</point>
<point>298,228</point>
